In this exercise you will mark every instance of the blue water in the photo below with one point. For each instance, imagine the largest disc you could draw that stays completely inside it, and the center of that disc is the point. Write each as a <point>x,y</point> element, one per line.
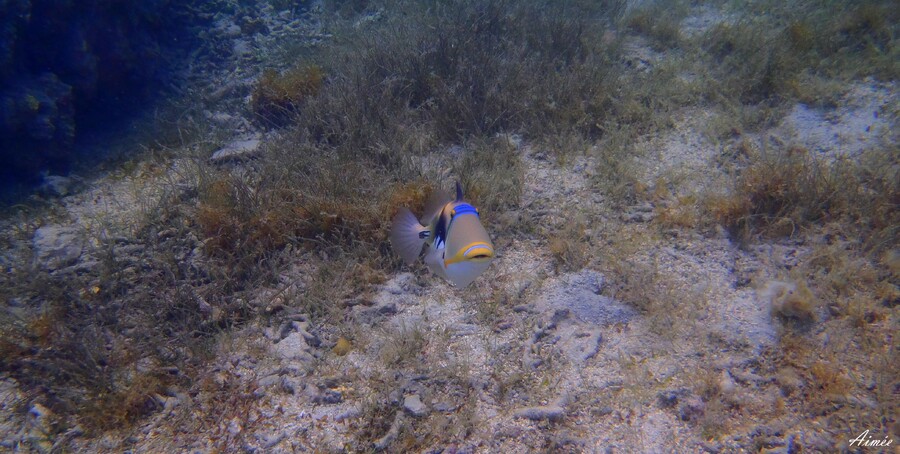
<point>71,69</point>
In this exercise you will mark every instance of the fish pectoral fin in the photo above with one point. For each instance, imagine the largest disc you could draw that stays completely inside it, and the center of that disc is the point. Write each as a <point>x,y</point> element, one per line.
<point>435,261</point>
<point>408,235</point>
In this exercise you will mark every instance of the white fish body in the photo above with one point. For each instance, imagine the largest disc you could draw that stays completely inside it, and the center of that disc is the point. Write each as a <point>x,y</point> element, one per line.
<point>458,247</point>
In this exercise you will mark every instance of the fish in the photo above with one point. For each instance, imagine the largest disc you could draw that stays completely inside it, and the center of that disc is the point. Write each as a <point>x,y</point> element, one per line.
<point>458,248</point>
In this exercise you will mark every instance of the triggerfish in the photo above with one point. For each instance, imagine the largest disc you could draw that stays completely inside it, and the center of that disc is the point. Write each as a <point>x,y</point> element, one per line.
<point>459,249</point>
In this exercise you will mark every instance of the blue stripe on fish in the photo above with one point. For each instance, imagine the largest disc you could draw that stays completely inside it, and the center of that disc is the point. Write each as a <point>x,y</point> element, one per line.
<point>464,208</point>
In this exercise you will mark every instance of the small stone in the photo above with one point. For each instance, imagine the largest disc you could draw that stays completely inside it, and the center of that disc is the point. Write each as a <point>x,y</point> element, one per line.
<point>237,150</point>
<point>328,382</point>
<point>445,407</point>
<point>241,48</point>
<point>41,414</point>
<point>220,117</point>
<point>57,246</point>
<point>788,380</point>
<point>400,284</point>
<point>503,326</point>
<point>269,380</point>
<point>464,329</point>
<point>749,377</point>
<point>414,406</point>
<point>726,384</point>
<point>349,413</point>
<point>234,427</point>
<point>290,385</point>
<point>76,431</point>
<point>541,412</point>
<point>231,30</point>
<point>298,317</point>
<point>58,186</point>
<point>310,338</point>
<point>269,441</point>
<point>862,402</point>
<point>294,346</point>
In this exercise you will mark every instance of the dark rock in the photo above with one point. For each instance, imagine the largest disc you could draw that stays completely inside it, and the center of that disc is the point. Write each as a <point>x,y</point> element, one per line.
<point>692,408</point>
<point>670,398</point>
<point>378,311</point>
<point>328,382</point>
<point>330,396</point>
<point>558,316</point>
<point>387,309</point>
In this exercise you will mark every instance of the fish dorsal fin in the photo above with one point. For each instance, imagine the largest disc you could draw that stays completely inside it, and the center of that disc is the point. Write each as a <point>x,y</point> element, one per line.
<point>458,192</point>
<point>433,206</point>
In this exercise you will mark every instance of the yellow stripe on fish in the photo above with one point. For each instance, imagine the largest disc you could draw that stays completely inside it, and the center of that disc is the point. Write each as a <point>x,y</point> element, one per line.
<point>478,250</point>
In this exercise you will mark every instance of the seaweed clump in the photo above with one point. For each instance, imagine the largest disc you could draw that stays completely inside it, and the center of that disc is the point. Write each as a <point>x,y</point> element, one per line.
<point>791,301</point>
<point>784,191</point>
<point>277,96</point>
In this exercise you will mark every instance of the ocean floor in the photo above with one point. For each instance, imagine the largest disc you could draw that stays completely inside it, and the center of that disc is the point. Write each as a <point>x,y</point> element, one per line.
<point>665,335</point>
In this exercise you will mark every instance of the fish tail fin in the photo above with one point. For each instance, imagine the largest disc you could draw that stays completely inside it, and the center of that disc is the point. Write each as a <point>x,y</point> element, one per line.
<point>407,235</point>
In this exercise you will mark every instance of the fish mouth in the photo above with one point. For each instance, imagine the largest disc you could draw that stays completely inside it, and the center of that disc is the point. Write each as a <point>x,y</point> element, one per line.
<point>479,254</point>
<point>475,252</point>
